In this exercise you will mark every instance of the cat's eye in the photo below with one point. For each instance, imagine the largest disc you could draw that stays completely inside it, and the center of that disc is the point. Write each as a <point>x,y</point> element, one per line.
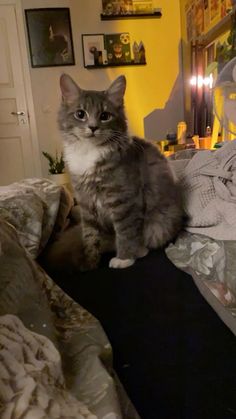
<point>80,115</point>
<point>105,116</point>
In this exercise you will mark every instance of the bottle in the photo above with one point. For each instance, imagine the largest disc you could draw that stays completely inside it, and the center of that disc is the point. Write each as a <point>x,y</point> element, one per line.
<point>181,132</point>
<point>208,131</point>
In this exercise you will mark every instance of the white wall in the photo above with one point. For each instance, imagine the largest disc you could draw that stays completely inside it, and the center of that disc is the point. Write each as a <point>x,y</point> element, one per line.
<point>148,87</point>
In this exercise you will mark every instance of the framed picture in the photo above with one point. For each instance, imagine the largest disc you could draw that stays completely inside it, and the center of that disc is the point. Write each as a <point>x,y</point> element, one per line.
<point>93,50</point>
<point>50,37</point>
<point>117,46</point>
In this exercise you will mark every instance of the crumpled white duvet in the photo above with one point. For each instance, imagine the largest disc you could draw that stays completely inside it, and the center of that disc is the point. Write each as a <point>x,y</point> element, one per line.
<point>31,380</point>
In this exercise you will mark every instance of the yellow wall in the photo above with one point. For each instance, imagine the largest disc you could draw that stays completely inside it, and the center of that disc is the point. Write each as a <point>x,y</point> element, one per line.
<point>186,62</point>
<point>148,87</point>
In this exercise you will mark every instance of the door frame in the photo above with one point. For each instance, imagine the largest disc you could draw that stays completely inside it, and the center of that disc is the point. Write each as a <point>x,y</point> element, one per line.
<point>21,29</point>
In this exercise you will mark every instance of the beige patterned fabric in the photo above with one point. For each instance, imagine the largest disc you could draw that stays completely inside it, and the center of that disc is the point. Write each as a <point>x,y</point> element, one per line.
<point>32,385</point>
<point>207,249</point>
<point>209,188</point>
<point>212,265</point>
<point>70,355</point>
<point>33,206</point>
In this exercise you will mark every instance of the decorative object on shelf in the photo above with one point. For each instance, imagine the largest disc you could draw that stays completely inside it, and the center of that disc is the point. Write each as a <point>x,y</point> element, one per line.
<point>117,7</point>
<point>139,53</point>
<point>135,52</point>
<point>50,37</point>
<point>142,57</point>
<point>117,46</point>
<point>142,6</point>
<point>93,50</point>
<point>120,9</point>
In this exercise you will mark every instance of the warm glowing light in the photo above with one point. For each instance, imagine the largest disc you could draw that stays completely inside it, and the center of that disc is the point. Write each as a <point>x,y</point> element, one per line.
<point>200,81</point>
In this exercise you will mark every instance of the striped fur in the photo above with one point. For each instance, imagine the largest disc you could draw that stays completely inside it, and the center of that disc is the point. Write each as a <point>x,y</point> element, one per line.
<point>123,184</point>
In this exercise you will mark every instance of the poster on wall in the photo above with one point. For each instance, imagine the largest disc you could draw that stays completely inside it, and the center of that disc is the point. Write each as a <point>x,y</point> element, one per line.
<point>190,27</point>
<point>225,7</point>
<point>214,10</point>
<point>50,37</point>
<point>118,47</point>
<point>206,15</point>
<point>189,23</point>
<point>199,17</point>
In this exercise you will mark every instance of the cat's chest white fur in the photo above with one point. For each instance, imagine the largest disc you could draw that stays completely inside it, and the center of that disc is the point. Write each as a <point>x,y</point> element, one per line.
<point>81,157</point>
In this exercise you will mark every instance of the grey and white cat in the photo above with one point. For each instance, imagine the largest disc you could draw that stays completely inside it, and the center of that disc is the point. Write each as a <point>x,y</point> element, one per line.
<point>124,185</point>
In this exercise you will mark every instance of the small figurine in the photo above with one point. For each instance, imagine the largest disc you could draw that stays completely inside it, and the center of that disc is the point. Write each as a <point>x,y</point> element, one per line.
<point>142,58</point>
<point>135,52</point>
<point>139,53</point>
<point>97,55</point>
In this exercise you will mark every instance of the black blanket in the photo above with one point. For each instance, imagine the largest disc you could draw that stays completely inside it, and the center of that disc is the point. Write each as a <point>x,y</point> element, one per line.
<point>173,354</point>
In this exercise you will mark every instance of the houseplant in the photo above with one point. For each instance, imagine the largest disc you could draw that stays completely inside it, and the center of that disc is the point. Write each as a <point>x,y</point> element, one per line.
<point>56,168</point>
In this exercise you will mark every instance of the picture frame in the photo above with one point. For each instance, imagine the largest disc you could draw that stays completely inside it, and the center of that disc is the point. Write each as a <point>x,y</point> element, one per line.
<point>94,53</point>
<point>118,48</point>
<point>50,37</point>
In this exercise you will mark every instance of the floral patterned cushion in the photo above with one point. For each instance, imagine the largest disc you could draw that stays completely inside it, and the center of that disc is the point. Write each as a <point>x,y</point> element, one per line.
<point>212,265</point>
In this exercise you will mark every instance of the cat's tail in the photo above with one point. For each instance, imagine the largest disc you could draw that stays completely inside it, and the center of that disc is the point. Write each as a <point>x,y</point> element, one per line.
<point>65,253</point>
<point>162,228</point>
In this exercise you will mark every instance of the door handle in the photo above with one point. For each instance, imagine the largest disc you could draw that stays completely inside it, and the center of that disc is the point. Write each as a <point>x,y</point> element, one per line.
<point>18,113</point>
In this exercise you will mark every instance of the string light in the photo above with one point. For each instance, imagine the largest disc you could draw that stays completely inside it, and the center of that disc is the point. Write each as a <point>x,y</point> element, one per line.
<point>200,81</point>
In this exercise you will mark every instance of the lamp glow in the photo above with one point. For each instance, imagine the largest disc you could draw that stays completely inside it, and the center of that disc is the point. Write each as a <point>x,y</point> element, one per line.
<point>199,81</point>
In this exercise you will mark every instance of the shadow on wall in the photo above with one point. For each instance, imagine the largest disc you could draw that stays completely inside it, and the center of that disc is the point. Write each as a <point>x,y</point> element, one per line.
<point>162,121</point>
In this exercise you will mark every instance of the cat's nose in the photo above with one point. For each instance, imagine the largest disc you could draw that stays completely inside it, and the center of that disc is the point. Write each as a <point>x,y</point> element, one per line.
<point>93,129</point>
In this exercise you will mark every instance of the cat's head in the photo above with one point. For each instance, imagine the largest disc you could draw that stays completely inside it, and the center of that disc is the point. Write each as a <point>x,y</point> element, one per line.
<point>97,116</point>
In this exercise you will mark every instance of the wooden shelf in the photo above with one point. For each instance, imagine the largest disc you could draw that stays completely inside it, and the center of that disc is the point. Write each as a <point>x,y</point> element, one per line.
<point>153,15</point>
<point>114,65</point>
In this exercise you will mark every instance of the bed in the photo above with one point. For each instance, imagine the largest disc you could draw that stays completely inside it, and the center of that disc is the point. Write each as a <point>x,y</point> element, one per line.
<point>56,359</point>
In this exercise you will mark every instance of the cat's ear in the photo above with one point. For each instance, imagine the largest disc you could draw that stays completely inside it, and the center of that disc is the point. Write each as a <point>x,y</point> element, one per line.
<point>69,89</point>
<point>116,90</point>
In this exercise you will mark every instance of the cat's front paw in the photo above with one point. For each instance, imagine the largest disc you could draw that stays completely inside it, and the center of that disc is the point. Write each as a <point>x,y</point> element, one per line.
<point>120,263</point>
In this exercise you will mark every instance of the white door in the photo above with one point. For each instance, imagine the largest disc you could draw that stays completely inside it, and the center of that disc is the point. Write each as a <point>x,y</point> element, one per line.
<point>16,148</point>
